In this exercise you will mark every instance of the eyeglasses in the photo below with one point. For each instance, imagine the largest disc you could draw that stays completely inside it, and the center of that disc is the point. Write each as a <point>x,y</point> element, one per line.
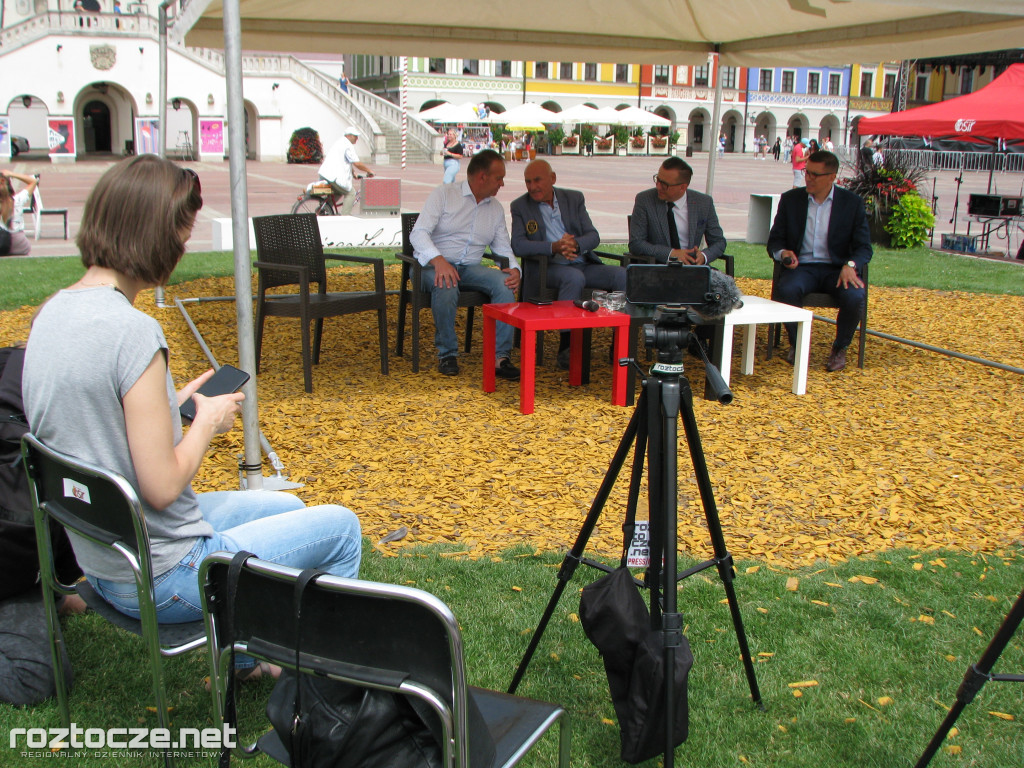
<point>196,185</point>
<point>813,175</point>
<point>662,183</point>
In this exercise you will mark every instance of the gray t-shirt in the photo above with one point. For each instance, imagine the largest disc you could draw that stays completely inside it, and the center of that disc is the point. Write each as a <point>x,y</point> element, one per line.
<point>87,348</point>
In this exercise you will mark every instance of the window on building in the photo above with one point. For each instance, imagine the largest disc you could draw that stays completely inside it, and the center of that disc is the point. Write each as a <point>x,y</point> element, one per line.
<point>540,69</point>
<point>921,88</point>
<point>835,85</point>
<point>966,80</point>
<point>766,80</point>
<point>590,71</point>
<point>504,69</point>
<point>889,86</point>
<point>565,70</point>
<point>814,82</point>
<point>788,81</point>
<point>437,65</point>
<point>622,73</point>
<point>661,74</point>
<point>728,75</point>
<point>700,75</point>
<point>471,66</point>
<point>867,83</point>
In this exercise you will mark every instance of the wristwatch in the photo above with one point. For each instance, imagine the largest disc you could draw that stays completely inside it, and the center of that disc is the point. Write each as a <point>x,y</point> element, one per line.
<point>851,264</point>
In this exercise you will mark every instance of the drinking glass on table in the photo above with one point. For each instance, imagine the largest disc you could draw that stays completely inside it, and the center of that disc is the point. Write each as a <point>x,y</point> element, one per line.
<point>615,300</point>
<point>599,297</point>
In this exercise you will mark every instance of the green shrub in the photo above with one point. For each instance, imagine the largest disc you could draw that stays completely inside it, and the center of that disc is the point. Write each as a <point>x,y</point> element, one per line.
<point>556,135</point>
<point>910,221</point>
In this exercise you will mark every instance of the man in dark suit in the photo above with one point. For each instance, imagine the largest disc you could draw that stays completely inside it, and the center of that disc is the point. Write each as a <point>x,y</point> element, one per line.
<point>553,222</point>
<point>821,237</point>
<point>671,219</point>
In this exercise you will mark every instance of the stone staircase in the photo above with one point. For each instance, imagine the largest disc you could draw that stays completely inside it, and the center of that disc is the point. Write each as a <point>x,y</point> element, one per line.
<point>415,152</point>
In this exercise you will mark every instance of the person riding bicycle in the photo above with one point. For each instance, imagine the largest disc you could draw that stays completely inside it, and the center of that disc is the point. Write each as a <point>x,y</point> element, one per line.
<point>337,169</point>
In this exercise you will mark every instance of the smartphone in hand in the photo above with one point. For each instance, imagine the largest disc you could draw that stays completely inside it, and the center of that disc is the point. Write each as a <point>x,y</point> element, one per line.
<point>227,379</point>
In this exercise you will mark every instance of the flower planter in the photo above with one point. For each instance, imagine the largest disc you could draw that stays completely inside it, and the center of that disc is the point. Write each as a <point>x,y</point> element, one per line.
<point>609,150</point>
<point>621,151</point>
<point>879,236</point>
<point>573,150</point>
<point>632,149</point>
<point>652,149</point>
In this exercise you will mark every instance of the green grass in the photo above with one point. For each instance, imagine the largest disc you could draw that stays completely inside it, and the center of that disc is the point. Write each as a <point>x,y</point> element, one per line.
<point>30,280</point>
<point>860,642</point>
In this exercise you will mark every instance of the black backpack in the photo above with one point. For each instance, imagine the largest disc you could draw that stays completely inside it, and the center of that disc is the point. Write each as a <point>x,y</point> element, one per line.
<point>19,560</point>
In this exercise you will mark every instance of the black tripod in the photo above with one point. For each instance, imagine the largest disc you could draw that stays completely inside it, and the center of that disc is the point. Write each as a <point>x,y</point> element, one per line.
<point>977,675</point>
<point>666,396</point>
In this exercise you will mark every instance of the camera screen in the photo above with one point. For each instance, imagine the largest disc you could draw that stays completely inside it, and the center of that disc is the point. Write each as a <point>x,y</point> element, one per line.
<point>667,284</point>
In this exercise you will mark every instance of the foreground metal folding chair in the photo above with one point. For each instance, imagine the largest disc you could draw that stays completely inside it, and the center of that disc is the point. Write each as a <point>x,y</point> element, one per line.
<point>102,507</point>
<point>369,634</point>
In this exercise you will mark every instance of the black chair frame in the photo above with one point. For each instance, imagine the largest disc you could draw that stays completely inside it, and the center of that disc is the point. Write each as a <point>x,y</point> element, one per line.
<point>289,251</point>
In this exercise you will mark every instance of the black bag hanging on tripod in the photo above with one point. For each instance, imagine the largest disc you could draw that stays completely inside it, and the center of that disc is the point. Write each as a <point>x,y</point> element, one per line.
<point>619,625</point>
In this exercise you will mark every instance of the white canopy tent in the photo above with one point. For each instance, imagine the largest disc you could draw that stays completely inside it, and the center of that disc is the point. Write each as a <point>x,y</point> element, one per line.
<point>740,32</point>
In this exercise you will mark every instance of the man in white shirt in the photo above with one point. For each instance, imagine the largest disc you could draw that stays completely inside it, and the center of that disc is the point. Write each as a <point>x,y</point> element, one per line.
<point>337,168</point>
<point>457,223</point>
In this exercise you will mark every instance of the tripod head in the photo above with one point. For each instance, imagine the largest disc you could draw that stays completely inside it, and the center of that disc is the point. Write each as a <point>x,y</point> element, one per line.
<point>671,334</point>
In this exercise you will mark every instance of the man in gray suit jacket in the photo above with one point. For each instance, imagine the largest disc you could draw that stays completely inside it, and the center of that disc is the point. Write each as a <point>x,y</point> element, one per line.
<point>553,222</point>
<point>672,206</point>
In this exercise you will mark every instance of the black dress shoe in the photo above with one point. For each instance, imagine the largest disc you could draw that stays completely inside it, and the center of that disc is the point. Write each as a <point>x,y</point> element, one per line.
<point>505,370</point>
<point>791,355</point>
<point>449,366</point>
<point>836,360</point>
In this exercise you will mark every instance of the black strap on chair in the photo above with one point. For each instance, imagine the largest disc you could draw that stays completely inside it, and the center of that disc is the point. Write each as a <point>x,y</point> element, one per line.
<point>230,715</point>
<point>308,575</point>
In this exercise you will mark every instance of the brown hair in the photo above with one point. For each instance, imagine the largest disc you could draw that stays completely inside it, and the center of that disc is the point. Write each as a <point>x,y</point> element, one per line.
<point>6,200</point>
<point>136,216</point>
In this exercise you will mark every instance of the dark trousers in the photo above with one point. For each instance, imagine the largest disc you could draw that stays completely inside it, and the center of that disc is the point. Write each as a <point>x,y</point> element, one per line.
<point>794,284</point>
<point>26,666</point>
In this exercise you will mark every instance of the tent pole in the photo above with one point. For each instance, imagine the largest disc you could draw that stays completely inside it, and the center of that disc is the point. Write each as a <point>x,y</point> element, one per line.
<point>716,119</point>
<point>240,238</point>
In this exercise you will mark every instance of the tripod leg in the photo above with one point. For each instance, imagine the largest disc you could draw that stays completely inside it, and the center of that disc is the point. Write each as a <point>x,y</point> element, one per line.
<point>575,555</point>
<point>723,558</point>
<point>977,675</point>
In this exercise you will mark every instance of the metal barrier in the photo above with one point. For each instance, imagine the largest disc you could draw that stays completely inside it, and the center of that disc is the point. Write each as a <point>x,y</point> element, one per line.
<point>929,160</point>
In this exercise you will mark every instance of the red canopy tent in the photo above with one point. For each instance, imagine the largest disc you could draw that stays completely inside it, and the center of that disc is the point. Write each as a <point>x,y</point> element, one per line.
<point>990,114</point>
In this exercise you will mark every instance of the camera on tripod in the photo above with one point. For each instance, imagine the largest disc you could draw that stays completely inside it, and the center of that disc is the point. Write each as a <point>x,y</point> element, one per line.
<point>674,283</point>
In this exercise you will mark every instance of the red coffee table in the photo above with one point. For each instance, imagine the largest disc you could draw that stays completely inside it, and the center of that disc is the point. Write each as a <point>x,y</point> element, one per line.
<point>557,316</point>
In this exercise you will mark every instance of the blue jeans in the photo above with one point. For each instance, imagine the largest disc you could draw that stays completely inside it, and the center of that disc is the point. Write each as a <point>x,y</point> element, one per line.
<point>444,303</point>
<point>569,280</point>
<point>451,169</point>
<point>274,526</point>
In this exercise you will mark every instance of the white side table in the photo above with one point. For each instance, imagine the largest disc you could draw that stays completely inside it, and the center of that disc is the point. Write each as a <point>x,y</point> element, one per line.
<point>754,311</point>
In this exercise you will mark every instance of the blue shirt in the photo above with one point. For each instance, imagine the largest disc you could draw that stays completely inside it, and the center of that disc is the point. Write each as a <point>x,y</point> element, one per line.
<point>814,248</point>
<point>454,225</point>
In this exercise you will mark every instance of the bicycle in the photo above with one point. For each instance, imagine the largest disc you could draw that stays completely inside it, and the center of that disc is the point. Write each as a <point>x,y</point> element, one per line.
<point>318,198</point>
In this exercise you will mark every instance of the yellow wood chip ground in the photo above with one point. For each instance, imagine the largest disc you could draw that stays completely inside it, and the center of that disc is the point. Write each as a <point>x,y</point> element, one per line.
<point>917,449</point>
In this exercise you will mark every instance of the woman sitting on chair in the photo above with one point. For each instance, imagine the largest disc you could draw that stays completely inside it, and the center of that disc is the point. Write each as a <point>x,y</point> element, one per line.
<point>97,387</point>
<point>12,208</point>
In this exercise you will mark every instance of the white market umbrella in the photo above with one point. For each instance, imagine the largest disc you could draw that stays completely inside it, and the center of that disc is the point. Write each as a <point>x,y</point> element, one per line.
<point>451,113</point>
<point>525,117</point>
<point>636,117</point>
<point>581,113</point>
